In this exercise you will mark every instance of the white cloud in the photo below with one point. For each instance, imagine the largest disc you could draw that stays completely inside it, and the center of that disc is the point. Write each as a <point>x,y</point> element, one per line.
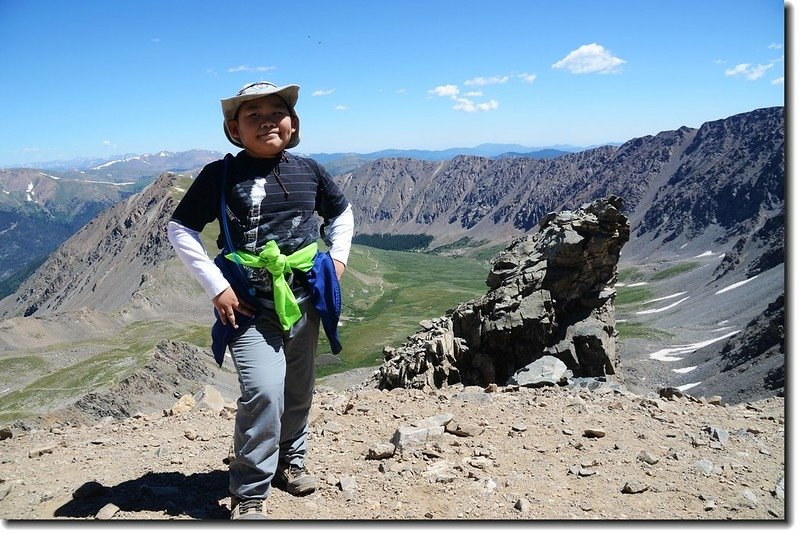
<point>448,90</point>
<point>777,81</point>
<point>248,68</point>
<point>750,72</point>
<point>155,40</point>
<point>322,92</point>
<point>465,104</point>
<point>588,59</point>
<point>775,46</point>
<point>401,91</point>
<point>106,143</point>
<point>491,80</point>
<point>462,103</point>
<point>340,107</point>
<point>527,78</point>
<point>739,69</point>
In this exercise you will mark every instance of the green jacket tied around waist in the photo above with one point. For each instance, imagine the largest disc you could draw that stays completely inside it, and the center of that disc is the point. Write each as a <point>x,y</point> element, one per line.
<point>278,265</point>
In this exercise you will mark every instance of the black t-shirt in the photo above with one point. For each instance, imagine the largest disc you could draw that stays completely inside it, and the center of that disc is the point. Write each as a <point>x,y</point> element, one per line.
<point>266,199</point>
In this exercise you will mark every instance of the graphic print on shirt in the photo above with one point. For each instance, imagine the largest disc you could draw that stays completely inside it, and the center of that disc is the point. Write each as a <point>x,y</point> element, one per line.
<point>257,194</point>
<point>260,278</point>
<point>296,222</point>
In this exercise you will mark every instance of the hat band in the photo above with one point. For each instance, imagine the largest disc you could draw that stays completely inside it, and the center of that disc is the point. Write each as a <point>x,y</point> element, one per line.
<point>243,91</point>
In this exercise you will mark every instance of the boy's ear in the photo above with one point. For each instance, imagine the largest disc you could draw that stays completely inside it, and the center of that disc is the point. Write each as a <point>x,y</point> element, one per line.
<point>233,129</point>
<point>295,123</point>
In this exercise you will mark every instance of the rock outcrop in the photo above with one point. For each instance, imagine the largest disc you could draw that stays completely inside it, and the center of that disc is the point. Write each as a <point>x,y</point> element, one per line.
<point>550,294</point>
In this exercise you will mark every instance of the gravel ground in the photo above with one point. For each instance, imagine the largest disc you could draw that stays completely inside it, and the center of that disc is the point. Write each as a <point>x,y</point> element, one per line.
<point>457,453</point>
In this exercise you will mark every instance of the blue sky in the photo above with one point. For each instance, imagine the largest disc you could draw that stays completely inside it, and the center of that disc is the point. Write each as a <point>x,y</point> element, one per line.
<point>102,78</point>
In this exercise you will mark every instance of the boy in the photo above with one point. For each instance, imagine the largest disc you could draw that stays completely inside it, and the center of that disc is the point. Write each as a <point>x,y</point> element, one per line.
<point>262,285</point>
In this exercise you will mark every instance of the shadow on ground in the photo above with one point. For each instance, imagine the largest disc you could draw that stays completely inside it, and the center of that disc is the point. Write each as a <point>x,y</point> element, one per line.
<point>195,495</point>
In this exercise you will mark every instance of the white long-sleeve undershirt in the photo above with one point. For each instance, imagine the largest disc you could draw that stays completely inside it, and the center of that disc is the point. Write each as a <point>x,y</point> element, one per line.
<point>339,235</point>
<point>190,250</point>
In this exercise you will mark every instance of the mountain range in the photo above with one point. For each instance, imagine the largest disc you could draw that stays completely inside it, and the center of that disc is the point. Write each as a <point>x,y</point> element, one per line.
<point>43,205</point>
<point>337,163</point>
<point>720,181</point>
<point>706,206</point>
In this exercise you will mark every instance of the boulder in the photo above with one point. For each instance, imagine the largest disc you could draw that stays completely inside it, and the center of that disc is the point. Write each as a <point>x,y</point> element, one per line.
<point>546,371</point>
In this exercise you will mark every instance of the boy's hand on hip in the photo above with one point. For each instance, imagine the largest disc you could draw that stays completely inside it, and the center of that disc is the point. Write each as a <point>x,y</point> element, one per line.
<point>339,266</point>
<point>226,304</point>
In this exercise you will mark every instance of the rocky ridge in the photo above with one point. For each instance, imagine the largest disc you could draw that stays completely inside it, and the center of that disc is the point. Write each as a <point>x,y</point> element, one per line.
<point>725,179</point>
<point>709,200</point>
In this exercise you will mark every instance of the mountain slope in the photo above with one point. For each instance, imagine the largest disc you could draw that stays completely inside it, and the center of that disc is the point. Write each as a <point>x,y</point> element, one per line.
<point>137,166</point>
<point>102,265</point>
<point>39,210</point>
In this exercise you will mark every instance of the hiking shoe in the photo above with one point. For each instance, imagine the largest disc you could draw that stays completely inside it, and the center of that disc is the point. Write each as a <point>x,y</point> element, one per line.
<point>295,480</point>
<point>248,508</point>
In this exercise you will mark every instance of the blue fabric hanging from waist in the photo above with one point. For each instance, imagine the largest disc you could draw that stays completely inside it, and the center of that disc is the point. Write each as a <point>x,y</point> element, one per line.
<point>325,296</point>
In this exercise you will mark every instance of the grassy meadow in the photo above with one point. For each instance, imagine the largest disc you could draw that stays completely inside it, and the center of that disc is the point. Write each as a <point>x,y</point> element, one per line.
<point>100,364</point>
<point>385,294</point>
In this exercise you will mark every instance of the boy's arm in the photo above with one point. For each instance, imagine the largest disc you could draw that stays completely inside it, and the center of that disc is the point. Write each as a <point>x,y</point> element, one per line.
<point>193,255</point>
<point>339,235</point>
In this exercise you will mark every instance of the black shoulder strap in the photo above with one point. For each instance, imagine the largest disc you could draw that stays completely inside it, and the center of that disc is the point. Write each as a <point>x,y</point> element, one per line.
<point>223,205</point>
<point>223,216</point>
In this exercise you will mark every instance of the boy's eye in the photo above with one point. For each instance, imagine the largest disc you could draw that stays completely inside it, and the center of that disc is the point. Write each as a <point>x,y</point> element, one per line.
<point>275,116</point>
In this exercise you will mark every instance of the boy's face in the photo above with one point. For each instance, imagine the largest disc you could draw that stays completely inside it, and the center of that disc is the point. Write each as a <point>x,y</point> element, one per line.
<point>263,126</point>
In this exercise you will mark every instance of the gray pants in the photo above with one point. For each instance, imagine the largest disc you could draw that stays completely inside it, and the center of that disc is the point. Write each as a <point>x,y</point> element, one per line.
<point>276,377</point>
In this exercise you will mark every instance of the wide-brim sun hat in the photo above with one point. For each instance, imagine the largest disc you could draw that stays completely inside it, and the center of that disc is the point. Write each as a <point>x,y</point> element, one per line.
<point>288,93</point>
